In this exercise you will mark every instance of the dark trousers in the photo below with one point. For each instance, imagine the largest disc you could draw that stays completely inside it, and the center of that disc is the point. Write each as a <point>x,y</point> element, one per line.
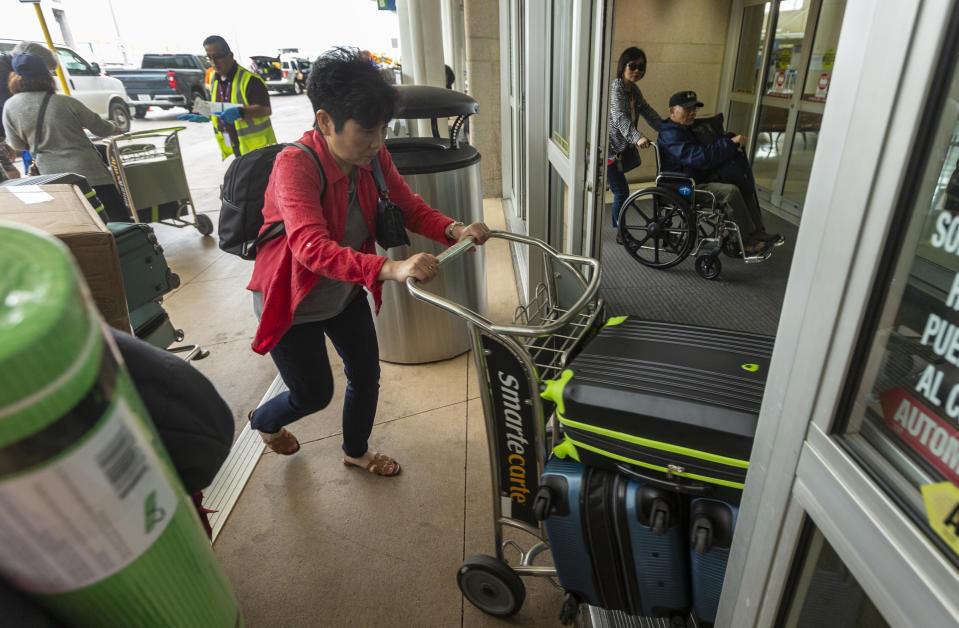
<point>617,183</point>
<point>301,358</point>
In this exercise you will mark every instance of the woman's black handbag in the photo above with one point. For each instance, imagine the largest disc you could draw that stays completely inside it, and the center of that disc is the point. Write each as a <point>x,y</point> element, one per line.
<point>628,159</point>
<point>390,231</point>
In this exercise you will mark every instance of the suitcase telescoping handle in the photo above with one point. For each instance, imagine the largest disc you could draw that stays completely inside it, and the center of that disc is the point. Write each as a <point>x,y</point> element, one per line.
<point>694,488</point>
<point>590,287</point>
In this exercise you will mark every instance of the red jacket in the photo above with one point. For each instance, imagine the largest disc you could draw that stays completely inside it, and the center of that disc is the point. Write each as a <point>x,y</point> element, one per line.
<point>288,267</point>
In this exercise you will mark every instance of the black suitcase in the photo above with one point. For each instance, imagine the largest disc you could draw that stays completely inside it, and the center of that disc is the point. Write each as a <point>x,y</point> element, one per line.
<point>667,403</point>
<point>71,179</point>
<point>146,275</point>
<point>616,543</point>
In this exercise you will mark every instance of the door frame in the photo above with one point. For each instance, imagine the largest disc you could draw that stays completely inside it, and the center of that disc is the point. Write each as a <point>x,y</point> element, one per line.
<point>798,470</point>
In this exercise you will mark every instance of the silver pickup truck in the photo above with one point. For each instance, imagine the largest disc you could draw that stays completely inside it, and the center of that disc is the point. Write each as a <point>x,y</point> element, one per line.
<point>164,81</point>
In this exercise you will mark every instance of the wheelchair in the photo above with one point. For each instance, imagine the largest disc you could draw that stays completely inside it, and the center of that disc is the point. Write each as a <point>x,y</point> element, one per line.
<point>661,226</point>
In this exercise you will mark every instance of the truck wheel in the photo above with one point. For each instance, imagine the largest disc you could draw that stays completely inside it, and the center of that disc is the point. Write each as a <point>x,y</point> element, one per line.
<point>140,112</point>
<point>120,115</point>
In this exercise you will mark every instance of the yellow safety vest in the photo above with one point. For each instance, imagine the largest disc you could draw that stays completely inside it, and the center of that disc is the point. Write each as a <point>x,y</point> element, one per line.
<point>251,135</point>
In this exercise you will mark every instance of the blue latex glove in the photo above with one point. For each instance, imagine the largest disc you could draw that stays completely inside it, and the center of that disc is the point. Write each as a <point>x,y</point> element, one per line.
<point>192,117</point>
<point>230,115</point>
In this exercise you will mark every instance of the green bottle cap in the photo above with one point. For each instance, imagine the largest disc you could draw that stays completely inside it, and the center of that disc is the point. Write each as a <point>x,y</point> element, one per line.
<point>50,340</point>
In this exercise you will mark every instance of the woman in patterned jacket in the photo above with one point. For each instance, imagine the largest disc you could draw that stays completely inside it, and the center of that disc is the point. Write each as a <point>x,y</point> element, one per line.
<point>626,106</point>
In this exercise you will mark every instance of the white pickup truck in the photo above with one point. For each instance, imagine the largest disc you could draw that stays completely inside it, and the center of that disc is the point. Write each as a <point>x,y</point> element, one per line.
<point>100,93</point>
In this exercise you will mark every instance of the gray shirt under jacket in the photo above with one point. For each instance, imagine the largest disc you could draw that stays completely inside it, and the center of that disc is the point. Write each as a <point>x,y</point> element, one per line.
<point>64,147</point>
<point>329,296</point>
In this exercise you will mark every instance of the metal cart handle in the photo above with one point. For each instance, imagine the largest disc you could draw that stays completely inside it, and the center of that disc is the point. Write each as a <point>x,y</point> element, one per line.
<point>516,330</point>
<point>145,133</point>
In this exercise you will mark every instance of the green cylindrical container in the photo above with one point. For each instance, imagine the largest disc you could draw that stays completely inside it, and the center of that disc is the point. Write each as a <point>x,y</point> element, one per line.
<point>94,523</point>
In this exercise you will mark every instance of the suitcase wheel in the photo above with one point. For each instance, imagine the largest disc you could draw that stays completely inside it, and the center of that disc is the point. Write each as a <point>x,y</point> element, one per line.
<point>567,612</point>
<point>702,535</point>
<point>491,585</point>
<point>542,503</point>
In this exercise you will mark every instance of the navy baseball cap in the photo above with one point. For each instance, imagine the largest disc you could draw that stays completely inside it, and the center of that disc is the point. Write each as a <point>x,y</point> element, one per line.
<point>28,64</point>
<point>684,99</point>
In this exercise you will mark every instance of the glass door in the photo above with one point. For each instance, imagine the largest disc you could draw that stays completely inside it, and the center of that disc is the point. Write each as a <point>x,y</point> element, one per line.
<point>783,67</point>
<point>850,514</point>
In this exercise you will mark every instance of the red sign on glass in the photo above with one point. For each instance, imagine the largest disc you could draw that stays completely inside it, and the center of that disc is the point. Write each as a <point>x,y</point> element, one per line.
<point>930,436</point>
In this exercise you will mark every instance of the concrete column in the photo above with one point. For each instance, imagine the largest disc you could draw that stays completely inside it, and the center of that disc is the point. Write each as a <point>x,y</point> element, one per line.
<point>421,44</point>
<point>483,77</point>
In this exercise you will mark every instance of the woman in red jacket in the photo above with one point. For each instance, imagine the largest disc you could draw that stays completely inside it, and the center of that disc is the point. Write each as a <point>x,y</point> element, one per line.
<point>308,284</point>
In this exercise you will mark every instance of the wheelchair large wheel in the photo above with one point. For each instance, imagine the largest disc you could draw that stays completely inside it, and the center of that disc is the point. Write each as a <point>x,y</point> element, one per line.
<point>657,227</point>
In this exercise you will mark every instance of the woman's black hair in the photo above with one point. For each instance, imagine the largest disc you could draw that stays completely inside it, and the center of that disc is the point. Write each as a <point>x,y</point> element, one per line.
<point>345,83</point>
<point>630,54</point>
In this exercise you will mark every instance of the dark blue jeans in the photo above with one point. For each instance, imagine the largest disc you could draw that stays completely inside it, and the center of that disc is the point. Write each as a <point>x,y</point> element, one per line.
<point>617,183</point>
<point>304,366</point>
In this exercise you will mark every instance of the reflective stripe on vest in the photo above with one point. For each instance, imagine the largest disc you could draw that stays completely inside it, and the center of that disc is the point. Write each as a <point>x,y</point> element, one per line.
<point>250,135</point>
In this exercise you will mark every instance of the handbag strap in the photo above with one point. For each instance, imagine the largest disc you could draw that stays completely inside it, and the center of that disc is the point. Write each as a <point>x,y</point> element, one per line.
<point>40,116</point>
<point>379,179</point>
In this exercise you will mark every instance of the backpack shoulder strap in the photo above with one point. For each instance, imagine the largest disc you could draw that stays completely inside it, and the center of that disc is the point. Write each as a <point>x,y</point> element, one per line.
<point>319,167</point>
<point>278,228</point>
<point>39,131</point>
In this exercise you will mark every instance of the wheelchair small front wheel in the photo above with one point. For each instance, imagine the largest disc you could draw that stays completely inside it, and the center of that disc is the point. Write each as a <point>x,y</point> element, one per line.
<point>708,266</point>
<point>657,227</point>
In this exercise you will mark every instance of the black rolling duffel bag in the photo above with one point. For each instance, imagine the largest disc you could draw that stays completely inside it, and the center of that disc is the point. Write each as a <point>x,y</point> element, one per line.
<point>669,404</point>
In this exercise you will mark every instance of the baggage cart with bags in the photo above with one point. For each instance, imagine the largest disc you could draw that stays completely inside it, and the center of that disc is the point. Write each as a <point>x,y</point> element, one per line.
<point>641,467</point>
<point>147,167</point>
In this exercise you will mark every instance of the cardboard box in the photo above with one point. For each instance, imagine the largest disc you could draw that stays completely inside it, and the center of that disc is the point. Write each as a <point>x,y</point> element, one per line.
<point>62,211</point>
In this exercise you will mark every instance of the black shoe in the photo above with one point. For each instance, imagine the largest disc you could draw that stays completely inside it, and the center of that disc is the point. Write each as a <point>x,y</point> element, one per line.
<point>619,238</point>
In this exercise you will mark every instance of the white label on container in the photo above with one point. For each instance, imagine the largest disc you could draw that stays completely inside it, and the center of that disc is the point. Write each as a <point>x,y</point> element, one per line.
<point>30,194</point>
<point>87,514</point>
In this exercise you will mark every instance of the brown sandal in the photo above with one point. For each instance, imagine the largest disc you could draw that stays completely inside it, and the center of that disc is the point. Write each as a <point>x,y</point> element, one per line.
<point>378,465</point>
<point>283,442</point>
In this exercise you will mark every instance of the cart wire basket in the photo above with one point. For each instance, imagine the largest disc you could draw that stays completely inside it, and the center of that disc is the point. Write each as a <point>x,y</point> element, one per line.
<point>147,167</point>
<point>511,363</point>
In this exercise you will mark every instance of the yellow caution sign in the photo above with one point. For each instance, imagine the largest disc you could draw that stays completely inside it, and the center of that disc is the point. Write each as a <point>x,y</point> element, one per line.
<point>942,508</point>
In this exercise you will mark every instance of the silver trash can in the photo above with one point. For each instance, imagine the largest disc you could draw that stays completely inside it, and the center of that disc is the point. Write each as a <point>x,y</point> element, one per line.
<point>446,174</point>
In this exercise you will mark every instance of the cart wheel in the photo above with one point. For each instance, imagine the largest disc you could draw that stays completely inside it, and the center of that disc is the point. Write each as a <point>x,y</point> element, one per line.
<point>203,224</point>
<point>731,248</point>
<point>708,266</point>
<point>491,585</point>
<point>178,335</point>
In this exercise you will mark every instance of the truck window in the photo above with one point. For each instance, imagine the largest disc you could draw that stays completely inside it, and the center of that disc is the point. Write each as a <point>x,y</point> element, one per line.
<point>168,62</point>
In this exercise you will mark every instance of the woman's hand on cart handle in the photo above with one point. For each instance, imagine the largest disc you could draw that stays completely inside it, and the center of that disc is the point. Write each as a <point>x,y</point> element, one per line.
<point>422,267</point>
<point>478,230</point>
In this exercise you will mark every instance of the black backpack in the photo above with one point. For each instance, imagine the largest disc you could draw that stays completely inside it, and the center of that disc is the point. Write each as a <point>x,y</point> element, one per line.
<point>6,67</point>
<point>242,196</point>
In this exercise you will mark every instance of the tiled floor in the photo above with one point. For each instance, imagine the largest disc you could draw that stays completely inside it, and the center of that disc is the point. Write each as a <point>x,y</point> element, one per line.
<point>313,543</point>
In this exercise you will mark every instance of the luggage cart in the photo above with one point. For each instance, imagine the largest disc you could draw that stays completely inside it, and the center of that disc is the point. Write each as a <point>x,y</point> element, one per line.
<point>512,361</point>
<point>147,167</point>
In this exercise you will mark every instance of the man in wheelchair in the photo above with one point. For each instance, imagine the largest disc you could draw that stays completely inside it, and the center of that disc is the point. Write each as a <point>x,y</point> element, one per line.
<point>716,162</point>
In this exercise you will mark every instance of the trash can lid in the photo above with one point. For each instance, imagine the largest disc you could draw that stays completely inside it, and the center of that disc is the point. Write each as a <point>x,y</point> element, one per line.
<point>426,101</point>
<point>422,155</point>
